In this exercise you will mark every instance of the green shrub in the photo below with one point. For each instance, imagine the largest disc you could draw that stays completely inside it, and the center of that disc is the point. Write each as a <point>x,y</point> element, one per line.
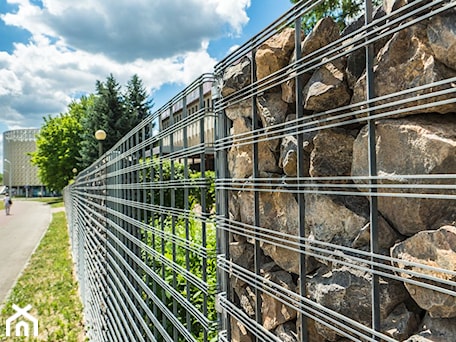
<point>188,241</point>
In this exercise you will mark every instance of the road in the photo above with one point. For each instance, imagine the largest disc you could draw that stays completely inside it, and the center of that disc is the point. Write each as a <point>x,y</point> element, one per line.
<point>20,234</point>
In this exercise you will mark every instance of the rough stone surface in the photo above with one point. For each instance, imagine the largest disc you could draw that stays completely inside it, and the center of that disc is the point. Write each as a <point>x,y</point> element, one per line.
<point>441,33</point>
<point>275,53</point>
<point>240,155</point>
<point>429,144</point>
<point>289,150</point>
<point>288,87</point>
<point>327,226</point>
<point>347,292</point>
<point>436,249</point>
<point>325,32</point>
<point>239,332</point>
<point>400,323</point>
<point>327,88</point>
<point>287,332</point>
<point>406,62</point>
<point>413,142</point>
<point>435,330</point>
<point>236,77</point>
<point>275,312</point>
<point>272,111</point>
<point>242,254</point>
<point>278,212</point>
<point>246,297</point>
<point>241,109</point>
<point>332,154</point>
<point>387,236</point>
<point>289,156</point>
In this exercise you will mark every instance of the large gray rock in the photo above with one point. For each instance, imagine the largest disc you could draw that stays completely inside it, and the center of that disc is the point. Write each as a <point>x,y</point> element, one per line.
<point>289,86</point>
<point>327,88</point>
<point>246,296</point>
<point>441,32</point>
<point>400,323</point>
<point>435,249</point>
<point>325,32</point>
<point>236,77</point>
<point>287,332</point>
<point>348,292</point>
<point>393,5</point>
<point>387,236</point>
<point>274,312</point>
<point>423,145</point>
<point>242,109</point>
<point>239,332</point>
<point>332,154</point>
<point>333,220</point>
<point>288,160</point>
<point>242,254</point>
<point>272,111</point>
<point>435,330</point>
<point>275,53</point>
<point>406,62</point>
<point>278,212</point>
<point>240,155</point>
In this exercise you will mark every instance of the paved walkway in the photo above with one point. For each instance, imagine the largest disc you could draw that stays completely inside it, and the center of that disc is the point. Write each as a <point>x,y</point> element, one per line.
<point>20,234</point>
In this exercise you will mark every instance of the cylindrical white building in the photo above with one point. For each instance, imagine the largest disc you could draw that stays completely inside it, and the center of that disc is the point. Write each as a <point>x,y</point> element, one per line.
<point>18,171</point>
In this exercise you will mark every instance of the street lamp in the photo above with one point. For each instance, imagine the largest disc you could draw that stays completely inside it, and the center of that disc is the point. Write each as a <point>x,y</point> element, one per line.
<point>10,188</point>
<point>100,135</point>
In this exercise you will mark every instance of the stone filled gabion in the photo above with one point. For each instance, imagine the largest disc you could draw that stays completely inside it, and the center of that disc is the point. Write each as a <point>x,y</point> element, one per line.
<point>416,140</point>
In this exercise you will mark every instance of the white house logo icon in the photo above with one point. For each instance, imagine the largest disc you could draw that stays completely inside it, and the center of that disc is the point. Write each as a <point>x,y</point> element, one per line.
<point>22,326</point>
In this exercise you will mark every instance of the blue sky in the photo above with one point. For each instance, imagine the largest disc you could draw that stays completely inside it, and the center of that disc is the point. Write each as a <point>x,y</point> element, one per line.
<point>52,51</point>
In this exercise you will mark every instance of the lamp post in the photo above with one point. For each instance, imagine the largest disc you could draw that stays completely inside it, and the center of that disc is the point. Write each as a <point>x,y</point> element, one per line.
<point>100,135</point>
<point>10,188</point>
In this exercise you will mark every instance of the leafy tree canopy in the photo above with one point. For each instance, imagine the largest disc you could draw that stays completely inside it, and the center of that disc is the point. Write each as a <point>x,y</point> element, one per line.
<point>342,11</point>
<point>58,144</point>
<point>67,141</point>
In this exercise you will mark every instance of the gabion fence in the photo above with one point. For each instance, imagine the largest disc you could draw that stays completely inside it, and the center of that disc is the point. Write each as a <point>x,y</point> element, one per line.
<point>337,160</point>
<point>304,192</point>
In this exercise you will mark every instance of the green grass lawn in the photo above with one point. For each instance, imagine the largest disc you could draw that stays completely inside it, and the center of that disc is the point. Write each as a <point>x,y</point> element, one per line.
<point>48,285</point>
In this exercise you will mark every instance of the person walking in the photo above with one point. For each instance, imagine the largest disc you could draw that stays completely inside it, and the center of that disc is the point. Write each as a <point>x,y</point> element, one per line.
<point>8,202</point>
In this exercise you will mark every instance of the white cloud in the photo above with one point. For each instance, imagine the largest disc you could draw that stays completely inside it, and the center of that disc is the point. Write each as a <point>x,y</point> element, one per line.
<point>129,29</point>
<point>75,43</point>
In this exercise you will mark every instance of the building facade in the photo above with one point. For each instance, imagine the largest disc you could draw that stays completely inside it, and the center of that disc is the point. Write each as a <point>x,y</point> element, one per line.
<point>19,174</point>
<point>187,123</point>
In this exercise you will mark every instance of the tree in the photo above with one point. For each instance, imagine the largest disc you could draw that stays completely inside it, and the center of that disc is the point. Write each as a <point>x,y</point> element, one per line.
<point>342,11</point>
<point>107,113</point>
<point>58,144</point>
<point>115,113</point>
<point>137,102</point>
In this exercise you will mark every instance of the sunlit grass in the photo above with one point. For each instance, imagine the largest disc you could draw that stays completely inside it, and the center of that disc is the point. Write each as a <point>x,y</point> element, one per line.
<point>48,285</point>
<point>54,202</point>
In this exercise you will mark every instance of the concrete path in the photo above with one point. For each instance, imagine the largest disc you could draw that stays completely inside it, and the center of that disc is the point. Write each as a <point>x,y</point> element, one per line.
<point>20,234</point>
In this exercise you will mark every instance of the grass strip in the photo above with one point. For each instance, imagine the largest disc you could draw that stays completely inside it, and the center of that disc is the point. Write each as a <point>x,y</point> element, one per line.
<point>48,285</point>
